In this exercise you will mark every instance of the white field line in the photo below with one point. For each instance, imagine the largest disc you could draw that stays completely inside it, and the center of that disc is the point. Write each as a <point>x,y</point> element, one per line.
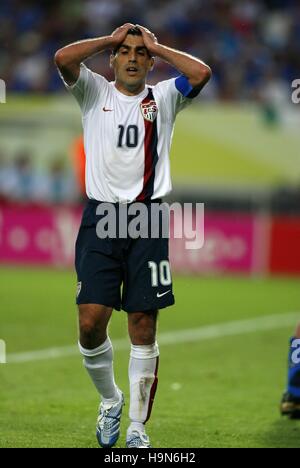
<point>239,327</point>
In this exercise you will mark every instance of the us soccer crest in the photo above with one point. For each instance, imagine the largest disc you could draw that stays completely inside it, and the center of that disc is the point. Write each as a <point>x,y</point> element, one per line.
<point>149,110</point>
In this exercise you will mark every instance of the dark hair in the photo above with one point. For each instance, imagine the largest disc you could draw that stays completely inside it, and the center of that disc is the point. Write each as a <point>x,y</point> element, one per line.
<point>134,32</point>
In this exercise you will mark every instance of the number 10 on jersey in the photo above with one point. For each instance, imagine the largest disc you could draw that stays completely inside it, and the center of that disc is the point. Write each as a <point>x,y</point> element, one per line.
<point>128,136</point>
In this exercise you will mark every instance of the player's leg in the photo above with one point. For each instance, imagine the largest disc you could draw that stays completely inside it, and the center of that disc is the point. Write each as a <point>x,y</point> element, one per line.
<point>96,347</point>
<point>99,278</point>
<point>290,404</point>
<point>143,369</point>
<point>147,289</point>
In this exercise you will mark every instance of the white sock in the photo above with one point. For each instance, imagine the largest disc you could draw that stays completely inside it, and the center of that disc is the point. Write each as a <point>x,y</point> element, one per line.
<point>99,364</point>
<point>136,426</point>
<point>143,366</point>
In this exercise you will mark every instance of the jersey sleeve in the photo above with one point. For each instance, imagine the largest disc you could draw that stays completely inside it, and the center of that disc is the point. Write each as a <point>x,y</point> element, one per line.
<point>87,88</point>
<point>178,94</point>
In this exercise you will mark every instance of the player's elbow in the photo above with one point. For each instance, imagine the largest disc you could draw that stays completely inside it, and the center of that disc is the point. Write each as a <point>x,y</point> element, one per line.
<point>68,67</point>
<point>201,76</point>
<point>60,58</point>
<point>206,73</point>
<point>64,58</point>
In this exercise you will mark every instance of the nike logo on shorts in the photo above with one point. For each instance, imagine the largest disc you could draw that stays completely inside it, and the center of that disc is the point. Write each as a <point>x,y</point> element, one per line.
<point>107,110</point>
<point>163,294</point>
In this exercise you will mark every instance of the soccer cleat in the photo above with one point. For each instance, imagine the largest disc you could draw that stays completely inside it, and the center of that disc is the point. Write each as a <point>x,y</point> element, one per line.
<point>137,439</point>
<point>290,406</point>
<point>108,423</point>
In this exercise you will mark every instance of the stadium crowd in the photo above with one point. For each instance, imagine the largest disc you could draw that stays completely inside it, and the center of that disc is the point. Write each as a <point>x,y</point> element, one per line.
<point>22,182</point>
<point>247,43</point>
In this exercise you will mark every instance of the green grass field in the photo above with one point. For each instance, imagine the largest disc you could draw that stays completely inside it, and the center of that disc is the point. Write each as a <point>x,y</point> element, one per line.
<point>215,390</point>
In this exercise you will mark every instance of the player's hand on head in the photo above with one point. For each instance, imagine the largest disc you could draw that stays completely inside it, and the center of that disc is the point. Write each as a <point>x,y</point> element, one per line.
<point>119,34</point>
<point>150,40</point>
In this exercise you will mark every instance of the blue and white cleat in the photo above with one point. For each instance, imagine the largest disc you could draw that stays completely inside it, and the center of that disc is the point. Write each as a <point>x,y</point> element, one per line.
<point>137,439</point>
<point>108,423</point>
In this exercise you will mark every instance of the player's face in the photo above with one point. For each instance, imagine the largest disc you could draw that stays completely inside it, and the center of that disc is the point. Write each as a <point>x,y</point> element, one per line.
<point>131,65</point>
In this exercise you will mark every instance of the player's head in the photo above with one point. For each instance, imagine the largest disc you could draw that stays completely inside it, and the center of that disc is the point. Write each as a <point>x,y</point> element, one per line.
<point>131,61</point>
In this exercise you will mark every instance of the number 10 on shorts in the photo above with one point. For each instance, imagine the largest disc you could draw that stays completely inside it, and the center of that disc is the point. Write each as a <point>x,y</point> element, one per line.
<point>160,273</point>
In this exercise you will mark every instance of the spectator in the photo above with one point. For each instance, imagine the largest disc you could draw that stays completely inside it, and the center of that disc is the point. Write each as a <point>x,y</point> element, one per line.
<point>57,185</point>
<point>20,179</point>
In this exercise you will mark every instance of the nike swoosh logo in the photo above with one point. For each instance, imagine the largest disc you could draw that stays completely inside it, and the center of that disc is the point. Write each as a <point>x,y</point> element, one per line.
<point>107,110</point>
<point>163,294</point>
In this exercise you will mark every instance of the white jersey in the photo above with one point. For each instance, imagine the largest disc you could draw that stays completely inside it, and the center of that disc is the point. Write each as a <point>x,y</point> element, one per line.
<point>127,139</point>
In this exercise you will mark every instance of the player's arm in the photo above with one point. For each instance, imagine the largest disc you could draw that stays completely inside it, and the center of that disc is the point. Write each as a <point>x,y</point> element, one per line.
<point>196,71</point>
<point>69,58</point>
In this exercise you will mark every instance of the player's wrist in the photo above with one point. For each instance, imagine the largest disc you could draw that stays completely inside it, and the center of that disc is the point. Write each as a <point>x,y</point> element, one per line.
<point>110,42</point>
<point>155,49</point>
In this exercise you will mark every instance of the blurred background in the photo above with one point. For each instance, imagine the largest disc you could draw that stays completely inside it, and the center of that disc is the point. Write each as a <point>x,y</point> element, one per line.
<point>236,149</point>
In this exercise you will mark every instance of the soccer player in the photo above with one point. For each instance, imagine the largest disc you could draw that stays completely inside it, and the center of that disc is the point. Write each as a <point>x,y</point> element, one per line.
<point>290,404</point>
<point>128,129</point>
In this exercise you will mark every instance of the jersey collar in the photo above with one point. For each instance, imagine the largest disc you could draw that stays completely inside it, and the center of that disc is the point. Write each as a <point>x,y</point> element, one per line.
<point>139,96</point>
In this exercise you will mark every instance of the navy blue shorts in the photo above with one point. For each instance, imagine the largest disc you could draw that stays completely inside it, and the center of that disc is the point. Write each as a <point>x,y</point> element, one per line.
<point>132,274</point>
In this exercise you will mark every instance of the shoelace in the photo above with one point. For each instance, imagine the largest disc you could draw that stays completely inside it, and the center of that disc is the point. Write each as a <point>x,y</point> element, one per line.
<point>137,439</point>
<point>106,421</point>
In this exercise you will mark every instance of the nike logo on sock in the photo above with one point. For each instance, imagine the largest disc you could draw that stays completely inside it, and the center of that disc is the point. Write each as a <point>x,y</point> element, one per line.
<point>163,294</point>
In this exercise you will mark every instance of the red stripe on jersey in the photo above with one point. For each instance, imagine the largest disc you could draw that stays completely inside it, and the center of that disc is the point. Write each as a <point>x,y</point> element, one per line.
<point>152,391</point>
<point>148,159</point>
<point>151,157</point>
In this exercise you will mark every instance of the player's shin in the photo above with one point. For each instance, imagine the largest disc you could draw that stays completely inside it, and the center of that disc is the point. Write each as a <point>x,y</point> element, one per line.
<point>143,368</point>
<point>99,364</point>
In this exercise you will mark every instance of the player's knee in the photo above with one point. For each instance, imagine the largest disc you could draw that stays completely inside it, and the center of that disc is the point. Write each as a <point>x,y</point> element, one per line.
<point>87,326</point>
<point>146,335</point>
<point>143,337</point>
<point>142,328</point>
<point>93,322</point>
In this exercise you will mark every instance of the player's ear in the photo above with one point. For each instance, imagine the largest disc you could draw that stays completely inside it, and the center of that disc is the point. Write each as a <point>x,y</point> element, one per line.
<point>151,64</point>
<point>112,60</point>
